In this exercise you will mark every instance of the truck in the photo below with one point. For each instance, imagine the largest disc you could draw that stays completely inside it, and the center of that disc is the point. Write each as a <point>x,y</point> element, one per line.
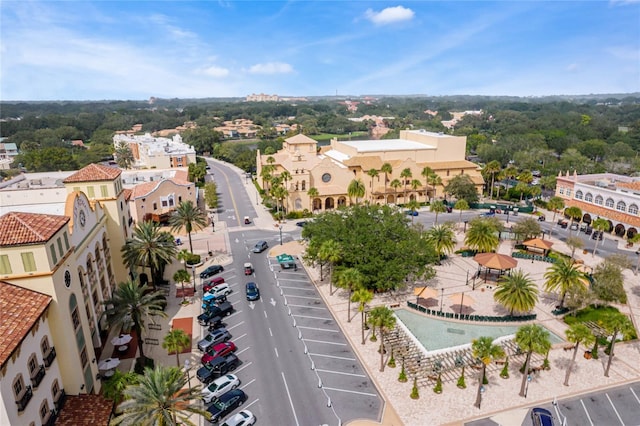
<point>215,311</point>
<point>217,367</point>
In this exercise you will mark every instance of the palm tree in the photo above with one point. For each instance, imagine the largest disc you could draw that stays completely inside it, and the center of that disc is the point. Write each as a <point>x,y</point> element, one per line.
<point>425,173</point>
<point>482,236</point>
<point>442,238</point>
<point>176,340</point>
<point>413,206</point>
<point>616,323</point>
<point>461,205</point>
<point>599,225</point>
<point>574,242</point>
<point>160,398</point>
<point>554,204</point>
<point>356,189</point>
<point>113,389</point>
<point>510,172</point>
<point>437,207</point>
<point>286,177</point>
<point>516,292</point>
<point>574,213</point>
<point>486,351</point>
<point>577,333</point>
<point>149,247</point>
<point>499,177</point>
<point>182,276</point>
<point>349,279</point>
<point>329,252</point>
<point>434,181</point>
<point>372,173</point>
<point>362,296</point>
<point>188,217</point>
<point>383,318</point>
<point>525,176</point>
<point>531,338</point>
<point>415,184</point>
<point>312,193</point>
<point>491,169</point>
<point>279,192</point>
<point>563,276</point>
<point>387,170</point>
<point>131,306</point>
<point>395,184</point>
<point>522,187</point>
<point>405,175</point>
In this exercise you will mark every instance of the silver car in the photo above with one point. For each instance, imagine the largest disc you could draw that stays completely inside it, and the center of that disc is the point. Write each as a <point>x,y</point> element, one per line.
<point>214,337</point>
<point>220,386</point>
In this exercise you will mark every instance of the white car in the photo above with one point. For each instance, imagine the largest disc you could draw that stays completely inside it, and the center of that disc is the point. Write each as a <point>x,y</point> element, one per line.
<point>219,290</point>
<point>220,386</point>
<point>243,418</point>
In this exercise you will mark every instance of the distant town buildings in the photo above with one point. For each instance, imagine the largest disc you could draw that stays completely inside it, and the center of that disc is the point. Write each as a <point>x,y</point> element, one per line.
<point>7,153</point>
<point>457,116</point>
<point>262,98</point>
<point>240,127</point>
<point>157,152</point>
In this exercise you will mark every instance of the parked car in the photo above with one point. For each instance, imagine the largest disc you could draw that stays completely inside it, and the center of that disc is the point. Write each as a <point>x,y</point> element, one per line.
<point>209,300</point>
<point>216,336</point>
<point>541,417</point>
<point>220,386</point>
<point>209,318</point>
<point>411,212</point>
<point>219,291</point>
<point>252,290</point>
<point>211,270</point>
<point>221,349</point>
<point>302,223</point>
<point>260,247</point>
<point>217,367</point>
<point>209,283</point>
<point>248,268</point>
<point>574,226</point>
<point>588,231</point>
<point>542,218</point>
<point>563,224</point>
<point>225,404</point>
<point>597,235</point>
<point>243,418</point>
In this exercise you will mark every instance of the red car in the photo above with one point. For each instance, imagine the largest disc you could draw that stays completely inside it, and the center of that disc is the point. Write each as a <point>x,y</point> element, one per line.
<point>221,349</point>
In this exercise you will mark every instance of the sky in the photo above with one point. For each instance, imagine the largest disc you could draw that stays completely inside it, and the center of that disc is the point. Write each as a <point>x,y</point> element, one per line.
<point>133,50</point>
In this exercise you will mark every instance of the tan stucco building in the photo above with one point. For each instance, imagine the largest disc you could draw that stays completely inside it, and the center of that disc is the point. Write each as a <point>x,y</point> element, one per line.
<point>330,169</point>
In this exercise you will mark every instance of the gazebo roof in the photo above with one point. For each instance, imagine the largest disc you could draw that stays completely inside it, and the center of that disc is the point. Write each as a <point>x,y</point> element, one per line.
<point>538,243</point>
<point>495,261</point>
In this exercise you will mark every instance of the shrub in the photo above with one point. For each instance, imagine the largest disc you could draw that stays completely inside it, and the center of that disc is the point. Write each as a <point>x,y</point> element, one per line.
<point>505,370</point>
<point>192,259</point>
<point>414,389</point>
<point>392,361</point>
<point>594,351</point>
<point>461,383</point>
<point>402,378</point>
<point>437,388</point>
<point>139,368</point>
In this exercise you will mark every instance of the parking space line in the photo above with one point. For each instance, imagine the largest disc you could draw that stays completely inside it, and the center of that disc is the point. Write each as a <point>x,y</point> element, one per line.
<point>634,394</point>
<point>234,314</point>
<point>302,297</point>
<point>245,349</point>
<point>326,343</point>
<point>242,368</point>
<point>270,332</point>
<point>252,402</point>
<point>350,391</point>
<point>339,372</point>
<point>297,288</point>
<point>614,409</point>
<point>234,326</point>
<point>239,337</point>
<point>319,329</point>
<point>305,306</point>
<point>290,400</point>
<point>276,349</point>
<point>265,314</point>
<point>333,356</point>
<point>310,317</point>
<point>586,412</point>
<point>247,384</point>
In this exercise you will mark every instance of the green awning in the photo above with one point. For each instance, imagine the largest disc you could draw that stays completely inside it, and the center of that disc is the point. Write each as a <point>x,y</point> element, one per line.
<point>285,258</point>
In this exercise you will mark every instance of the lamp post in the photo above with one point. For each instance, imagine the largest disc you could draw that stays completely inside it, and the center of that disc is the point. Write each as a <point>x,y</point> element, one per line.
<point>526,388</point>
<point>441,298</point>
<point>465,225</point>
<point>280,228</point>
<point>187,367</point>
<point>637,263</point>
<point>193,270</point>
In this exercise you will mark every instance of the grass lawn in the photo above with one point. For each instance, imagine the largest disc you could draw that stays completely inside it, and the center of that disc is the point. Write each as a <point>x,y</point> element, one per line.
<point>328,136</point>
<point>595,314</point>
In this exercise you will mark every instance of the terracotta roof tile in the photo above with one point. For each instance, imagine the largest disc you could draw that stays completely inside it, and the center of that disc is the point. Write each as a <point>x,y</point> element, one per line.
<point>94,173</point>
<point>18,228</point>
<point>20,309</point>
<point>630,185</point>
<point>300,138</point>
<point>85,410</point>
<point>143,189</point>
<point>127,194</point>
<point>182,175</point>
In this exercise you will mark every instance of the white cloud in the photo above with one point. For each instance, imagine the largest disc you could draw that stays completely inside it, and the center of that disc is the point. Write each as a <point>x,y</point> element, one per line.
<point>572,67</point>
<point>390,15</point>
<point>213,71</point>
<point>271,68</point>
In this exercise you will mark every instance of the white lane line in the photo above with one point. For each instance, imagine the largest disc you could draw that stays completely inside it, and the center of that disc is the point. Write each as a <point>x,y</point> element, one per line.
<point>324,342</point>
<point>252,402</point>
<point>276,349</point>
<point>270,332</point>
<point>614,409</point>
<point>303,297</point>
<point>307,307</point>
<point>634,394</point>
<point>332,356</point>
<point>297,288</point>
<point>234,314</point>
<point>245,349</point>
<point>320,329</point>
<point>235,339</point>
<point>234,326</point>
<point>350,391</point>
<point>586,412</point>
<point>290,400</point>
<point>247,384</point>
<point>310,317</point>
<point>265,314</point>
<point>242,368</point>
<point>339,372</point>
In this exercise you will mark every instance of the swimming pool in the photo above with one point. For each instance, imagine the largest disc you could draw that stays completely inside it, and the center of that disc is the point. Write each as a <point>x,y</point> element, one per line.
<point>435,334</point>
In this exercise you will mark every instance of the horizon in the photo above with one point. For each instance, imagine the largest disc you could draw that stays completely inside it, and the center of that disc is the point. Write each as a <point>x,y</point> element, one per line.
<point>98,51</point>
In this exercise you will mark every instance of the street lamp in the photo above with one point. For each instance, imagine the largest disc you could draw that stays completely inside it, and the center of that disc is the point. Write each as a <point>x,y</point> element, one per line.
<point>280,228</point>
<point>193,270</point>
<point>526,388</point>
<point>441,298</point>
<point>638,263</point>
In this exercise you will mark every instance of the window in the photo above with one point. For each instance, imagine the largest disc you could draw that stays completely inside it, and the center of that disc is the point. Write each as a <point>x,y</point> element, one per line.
<point>91,192</point>
<point>44,410</point>
<point>588,197</point>
<point>304,185</point>
<point>52,249</point>
<point>28,261</point>
<point>33,365</point>
<point>568,192</point>
<point>579,195</point>
<point>104,191</point>
<point>621,206</point>
<point>84,359</point>
<point>18,386</point>
<point>66,240</point>
<point>75,317</point>
<point>155,206</point>
<point>609,202</point>
<point>55,389</point>
<point>5,265</point>
<point>633,209</point>
<point>599,200</point>
<point>59,241</point>
<point>44,345</point>
<point>561,190</point>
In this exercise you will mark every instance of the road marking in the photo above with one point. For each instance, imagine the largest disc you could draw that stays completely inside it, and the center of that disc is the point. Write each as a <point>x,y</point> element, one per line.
<point>333,356</point>
<point>270,332</point>
<point>586,412</point>
<point>634,394</point>
<point>326,343</point>
<point>317,318</point>
<point>234,326</point>
<point>245,349</point>
<point>276,349</point>
<point>320,329</point>
<point>297,288</point>
<point>614,409</point>
<point>242,368</point>
<point>247,384</point>
<point>302,297</point>
<point>273,302</point>
<point>290,401</point>
<point>265,314</point>
<point>307,307</point>
<point>233,314</point>
<point>252,305</point>
<point>339,372</point>
<point>350,391</point>
<point>252,402</point>
<point>238,338</point>
<point>233,200</point>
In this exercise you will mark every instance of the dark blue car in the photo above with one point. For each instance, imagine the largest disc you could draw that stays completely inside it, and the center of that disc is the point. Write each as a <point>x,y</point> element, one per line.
<point>225,404</point>
<point>541,417</point>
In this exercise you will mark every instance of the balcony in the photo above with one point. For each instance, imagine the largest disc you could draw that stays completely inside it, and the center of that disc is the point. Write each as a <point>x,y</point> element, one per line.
<point>38,376</point>
<point>60,398</point>
<point>49,357</point>
<point>24,399</point>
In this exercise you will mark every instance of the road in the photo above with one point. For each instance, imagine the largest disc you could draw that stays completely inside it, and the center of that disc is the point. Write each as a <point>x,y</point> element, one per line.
<point>297,366</point>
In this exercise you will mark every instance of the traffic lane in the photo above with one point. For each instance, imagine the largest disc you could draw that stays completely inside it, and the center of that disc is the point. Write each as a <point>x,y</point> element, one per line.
<point>228,186</point>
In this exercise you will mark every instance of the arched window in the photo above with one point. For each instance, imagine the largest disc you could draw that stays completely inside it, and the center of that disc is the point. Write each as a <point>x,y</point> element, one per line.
<point>588,198</point>
<point>579,195</point>
<point>609,203</point>
<point>633,209</point>
<point>621,206</point>
<point>33,365</point>
<point>44,346</point>
<point>45,413</point>
<point>18,387</point>
<point>599,200</point>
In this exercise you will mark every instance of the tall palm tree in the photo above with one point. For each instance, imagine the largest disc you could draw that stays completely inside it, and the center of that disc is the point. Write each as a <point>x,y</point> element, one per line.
<point>577,333</point>
<point>387,170</point>
<point>405,175</point>
<point>525,176</point>
<point>329,252</point>
<point>574,213</point>
<point>522,187</point>
<point>574,242</point>
<point>129,306</point>
<point>286,177</point>
<point>461,205</point>
<point>434,180</point>
<point>176,340</point>
<point>531,338</point>
<point>349,279</point>
<point>395,184</point>
<point>564,276</point>
<point>149,247</point>
<point>182,276</point>
<point>442,238</point>
<point>599,225</point>
<point>382,318</point>
<point>482,236</point>
<point>279,192</point>
<point>372,173</point>
<point>491,169</point>
<point>516,292</point>
<point>312,193</point>
<point>415,184</point>
<point>188,217</point>
<point>425,173</point>
<point>160,398</point>
<point>413,206</point>
<point>486,351</point>
<point>616,323</point>
<point>362,296</point>
<point>499,177</point>
<point>510,172</point>
<point>356,189</point>
<point>554,204</point>
<point>437,207</point>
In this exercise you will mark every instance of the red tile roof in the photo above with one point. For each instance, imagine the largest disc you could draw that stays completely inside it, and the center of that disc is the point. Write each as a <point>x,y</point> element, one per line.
<point>93,173</point>
<point>127,194</point>
<point>20,309</point>
<point>85,410</point>
<point>18,228</point>
<point>631,185</point>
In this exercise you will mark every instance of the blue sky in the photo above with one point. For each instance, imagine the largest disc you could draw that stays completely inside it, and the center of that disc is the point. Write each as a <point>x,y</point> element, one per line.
<point>82,50</point>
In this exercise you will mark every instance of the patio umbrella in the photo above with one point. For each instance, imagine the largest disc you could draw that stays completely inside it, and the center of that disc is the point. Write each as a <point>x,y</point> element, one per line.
<point>425,292</point>
<point>108,364</point>
<point>461,300</point>
<point>123,339</point>
<point>495,261</point>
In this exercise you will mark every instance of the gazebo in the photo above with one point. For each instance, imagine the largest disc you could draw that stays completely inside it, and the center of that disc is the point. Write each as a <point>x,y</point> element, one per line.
<point>536,244</point>
<point>494,261</point>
